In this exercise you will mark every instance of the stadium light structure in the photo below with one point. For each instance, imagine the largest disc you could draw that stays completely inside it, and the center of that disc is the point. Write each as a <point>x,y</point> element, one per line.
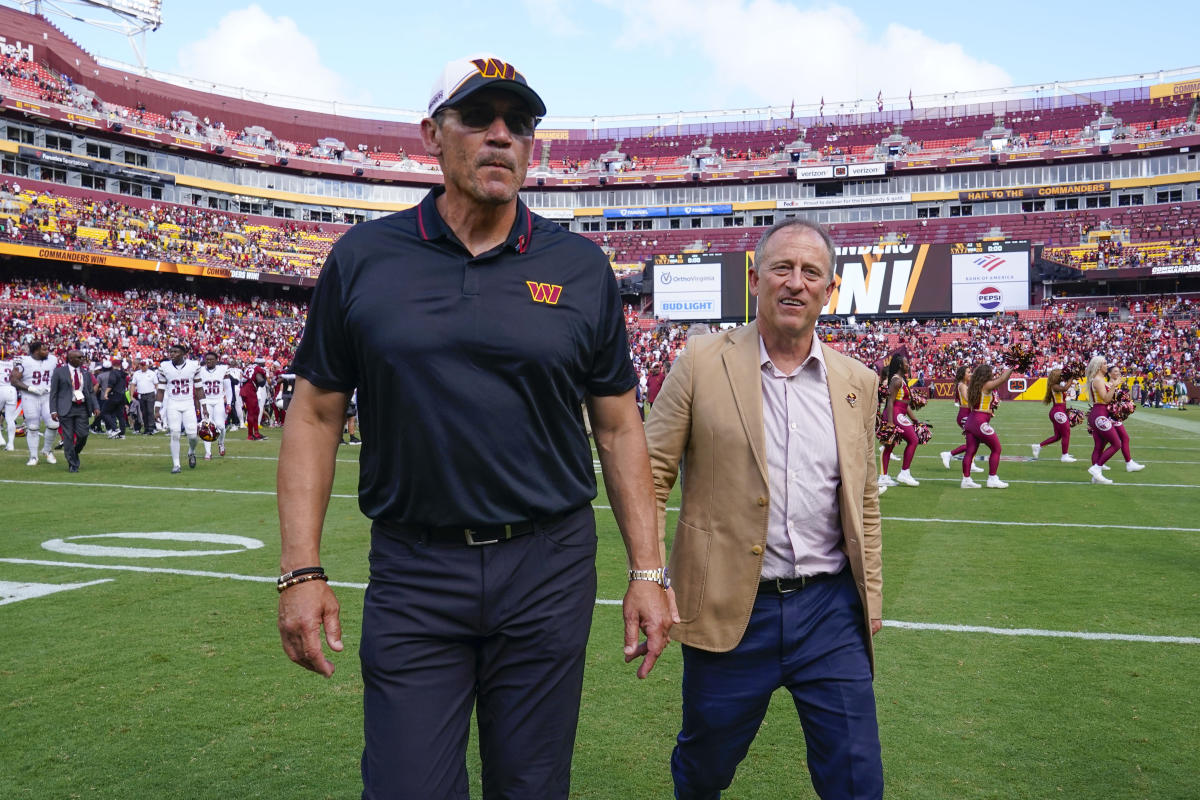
<point>130,17</point>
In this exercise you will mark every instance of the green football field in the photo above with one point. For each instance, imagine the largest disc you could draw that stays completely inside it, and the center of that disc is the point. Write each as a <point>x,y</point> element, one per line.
<point>1040,642</point>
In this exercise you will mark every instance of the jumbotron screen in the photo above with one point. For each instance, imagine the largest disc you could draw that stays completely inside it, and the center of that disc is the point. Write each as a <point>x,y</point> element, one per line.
<point>883,280</point>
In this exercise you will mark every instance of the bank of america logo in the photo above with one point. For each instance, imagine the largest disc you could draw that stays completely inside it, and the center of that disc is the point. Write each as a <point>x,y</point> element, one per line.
<point>989,263</point>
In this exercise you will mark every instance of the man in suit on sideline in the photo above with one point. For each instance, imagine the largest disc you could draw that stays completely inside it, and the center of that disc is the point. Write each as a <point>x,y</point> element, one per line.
<point>776,562</point>
<point>72,403</point>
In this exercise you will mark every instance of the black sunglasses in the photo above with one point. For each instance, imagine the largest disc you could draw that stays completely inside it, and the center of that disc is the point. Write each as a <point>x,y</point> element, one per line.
<point>480,117</point>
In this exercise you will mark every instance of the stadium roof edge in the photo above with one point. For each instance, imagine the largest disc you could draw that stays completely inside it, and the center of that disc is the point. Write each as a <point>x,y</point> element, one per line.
<point>942,100</point>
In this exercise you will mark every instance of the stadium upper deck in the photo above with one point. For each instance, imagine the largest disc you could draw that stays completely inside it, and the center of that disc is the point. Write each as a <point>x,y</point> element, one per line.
<point>52,78</point>
<point>1093,167</point>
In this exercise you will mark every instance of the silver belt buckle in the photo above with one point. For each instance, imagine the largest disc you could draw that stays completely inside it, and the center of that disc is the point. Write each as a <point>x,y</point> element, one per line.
<point>473,542</point>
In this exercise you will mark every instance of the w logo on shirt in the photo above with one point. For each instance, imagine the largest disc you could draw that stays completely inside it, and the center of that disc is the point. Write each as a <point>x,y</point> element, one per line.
<point>544,292</point>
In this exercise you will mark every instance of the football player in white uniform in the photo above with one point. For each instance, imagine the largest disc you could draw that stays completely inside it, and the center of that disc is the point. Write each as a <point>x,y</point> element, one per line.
<point>180,394</point>
<point>31,374</point>
<point>235,380</point>
<point>8,401</point>
<point>214,382</point>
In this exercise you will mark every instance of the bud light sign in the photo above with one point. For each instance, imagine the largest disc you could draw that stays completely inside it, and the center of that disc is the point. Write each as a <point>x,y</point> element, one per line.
<point>990,298</point>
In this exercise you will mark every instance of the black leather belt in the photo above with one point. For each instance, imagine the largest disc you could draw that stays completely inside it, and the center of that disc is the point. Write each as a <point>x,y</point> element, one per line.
<point>789,585</point>
<point>477,536</point>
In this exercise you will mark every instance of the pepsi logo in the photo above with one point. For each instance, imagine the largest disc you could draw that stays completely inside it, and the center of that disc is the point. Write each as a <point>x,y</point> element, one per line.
<point>990,298</point>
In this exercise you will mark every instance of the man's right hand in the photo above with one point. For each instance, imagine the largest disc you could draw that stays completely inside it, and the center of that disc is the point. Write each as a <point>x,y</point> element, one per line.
<point>303,610</point>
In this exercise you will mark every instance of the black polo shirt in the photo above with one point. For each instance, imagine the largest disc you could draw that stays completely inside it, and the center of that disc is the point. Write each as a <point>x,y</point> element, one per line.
<point>470,370</point>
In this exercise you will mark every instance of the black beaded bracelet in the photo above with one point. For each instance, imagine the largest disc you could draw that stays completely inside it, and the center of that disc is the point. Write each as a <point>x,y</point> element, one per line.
<point>287,576</point>
<point>290,582</point>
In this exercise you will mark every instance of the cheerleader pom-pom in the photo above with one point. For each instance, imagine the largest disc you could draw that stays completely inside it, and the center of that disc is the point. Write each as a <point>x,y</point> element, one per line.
<point>1018,356</point>
<point>924,432</point>
<point>1073,371</point>
<point>918,398</point>
<point>1121,406</point>
<point>1075,417</point>
<point>885,432</point>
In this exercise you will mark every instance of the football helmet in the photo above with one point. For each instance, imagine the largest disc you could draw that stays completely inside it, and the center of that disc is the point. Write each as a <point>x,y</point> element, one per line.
<point>207,430</point>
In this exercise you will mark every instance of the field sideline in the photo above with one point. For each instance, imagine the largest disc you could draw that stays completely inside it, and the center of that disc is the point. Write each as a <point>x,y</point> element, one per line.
<point>1040,641</point>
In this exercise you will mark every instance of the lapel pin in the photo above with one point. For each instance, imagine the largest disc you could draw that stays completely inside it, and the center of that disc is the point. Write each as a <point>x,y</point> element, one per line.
<point>852,398</point>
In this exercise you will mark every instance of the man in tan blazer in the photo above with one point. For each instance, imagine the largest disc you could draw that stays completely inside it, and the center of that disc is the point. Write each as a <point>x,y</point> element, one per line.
<point>776,560</point>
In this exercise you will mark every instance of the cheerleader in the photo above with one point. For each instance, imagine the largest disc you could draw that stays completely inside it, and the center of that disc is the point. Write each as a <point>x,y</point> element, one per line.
<point>1108,434</point>
<point>1056,398</point>
<point>979,424</point>
<point>895,410</point>
<point>964,410</point>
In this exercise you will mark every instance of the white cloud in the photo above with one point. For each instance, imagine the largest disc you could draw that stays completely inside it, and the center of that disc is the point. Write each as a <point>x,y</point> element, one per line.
<point>252,49</point>
<point>550,16</point>
<point>759,52</point>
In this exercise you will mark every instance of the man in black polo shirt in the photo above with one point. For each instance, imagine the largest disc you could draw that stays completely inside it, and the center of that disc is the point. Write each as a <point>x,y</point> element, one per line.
<point>473,330</point>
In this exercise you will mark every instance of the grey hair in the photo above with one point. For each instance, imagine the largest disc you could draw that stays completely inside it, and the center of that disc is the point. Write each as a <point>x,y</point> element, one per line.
<point>797,222</point>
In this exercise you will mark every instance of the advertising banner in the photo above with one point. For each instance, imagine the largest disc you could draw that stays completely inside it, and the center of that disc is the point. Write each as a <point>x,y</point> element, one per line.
<point>634,213</point>
<point>688,291</point>
<point>694,211</point>
<point>1034,192</point>
<point>989,277</point>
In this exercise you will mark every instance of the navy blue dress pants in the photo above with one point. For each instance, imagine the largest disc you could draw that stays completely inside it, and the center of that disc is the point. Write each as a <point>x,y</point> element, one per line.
<point>502,628</point>
<point>810,641</point>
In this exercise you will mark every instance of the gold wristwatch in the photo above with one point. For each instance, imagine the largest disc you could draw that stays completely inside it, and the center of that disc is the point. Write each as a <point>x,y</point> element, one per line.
<point>661,576</point>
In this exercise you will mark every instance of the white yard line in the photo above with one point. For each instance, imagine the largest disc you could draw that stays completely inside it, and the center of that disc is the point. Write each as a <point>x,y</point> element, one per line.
<point>921,626</point>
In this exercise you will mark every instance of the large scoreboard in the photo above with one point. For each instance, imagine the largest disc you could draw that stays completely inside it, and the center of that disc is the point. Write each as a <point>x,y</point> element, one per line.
<point>890,280</point>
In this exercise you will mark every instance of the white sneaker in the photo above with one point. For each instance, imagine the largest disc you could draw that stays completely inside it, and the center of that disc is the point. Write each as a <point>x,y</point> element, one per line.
<point>994,482</point>
<point>1067,458</point>
<point>886,480</point>
<point>1037,449</point>
<point>9,447</point>
<point>1097,474</point>
<point>968,483</point>
<point>882,489</point>
<point>50,459</point>
<point>976,468</point>
<point>1106,467</point>
<point>1133,466</point>
<point>32,462</point>
<point>907,479</point>
<point>945,458</point>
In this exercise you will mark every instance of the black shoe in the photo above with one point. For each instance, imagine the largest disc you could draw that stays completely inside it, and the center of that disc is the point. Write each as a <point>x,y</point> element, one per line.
<point>355,440</point>
<point>341,441</point>
<point>58,446</point>
<point>191,460</point>
<point>72,468</point>
<point>175,470</point>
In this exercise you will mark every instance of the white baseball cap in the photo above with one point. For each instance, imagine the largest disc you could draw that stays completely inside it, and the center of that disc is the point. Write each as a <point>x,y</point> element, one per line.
<point>464,76</point>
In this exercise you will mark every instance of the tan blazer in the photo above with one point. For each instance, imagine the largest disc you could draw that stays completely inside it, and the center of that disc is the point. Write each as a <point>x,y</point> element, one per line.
<point>709,415</point>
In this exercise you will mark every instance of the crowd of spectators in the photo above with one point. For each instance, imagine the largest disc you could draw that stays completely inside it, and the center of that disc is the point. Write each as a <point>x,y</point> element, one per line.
<point>161,232</point>
<point>1156,341</point>
<point>142,323</point>
<point>1115,254</point>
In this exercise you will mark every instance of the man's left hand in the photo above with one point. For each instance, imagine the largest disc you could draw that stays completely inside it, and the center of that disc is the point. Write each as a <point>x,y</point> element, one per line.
<point>876,626</point>
<point>645,610</point>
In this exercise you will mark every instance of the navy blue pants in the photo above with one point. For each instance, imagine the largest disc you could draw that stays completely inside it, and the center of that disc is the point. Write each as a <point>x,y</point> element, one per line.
<point>503,628</point>
<point>810,641</point>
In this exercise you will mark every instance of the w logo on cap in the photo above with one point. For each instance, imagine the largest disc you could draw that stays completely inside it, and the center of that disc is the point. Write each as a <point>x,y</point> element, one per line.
<point>544,292</point>
<point>494,68</point>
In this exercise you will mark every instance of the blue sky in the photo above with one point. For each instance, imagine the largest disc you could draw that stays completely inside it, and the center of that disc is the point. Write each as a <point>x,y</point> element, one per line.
<point>616,57</point>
